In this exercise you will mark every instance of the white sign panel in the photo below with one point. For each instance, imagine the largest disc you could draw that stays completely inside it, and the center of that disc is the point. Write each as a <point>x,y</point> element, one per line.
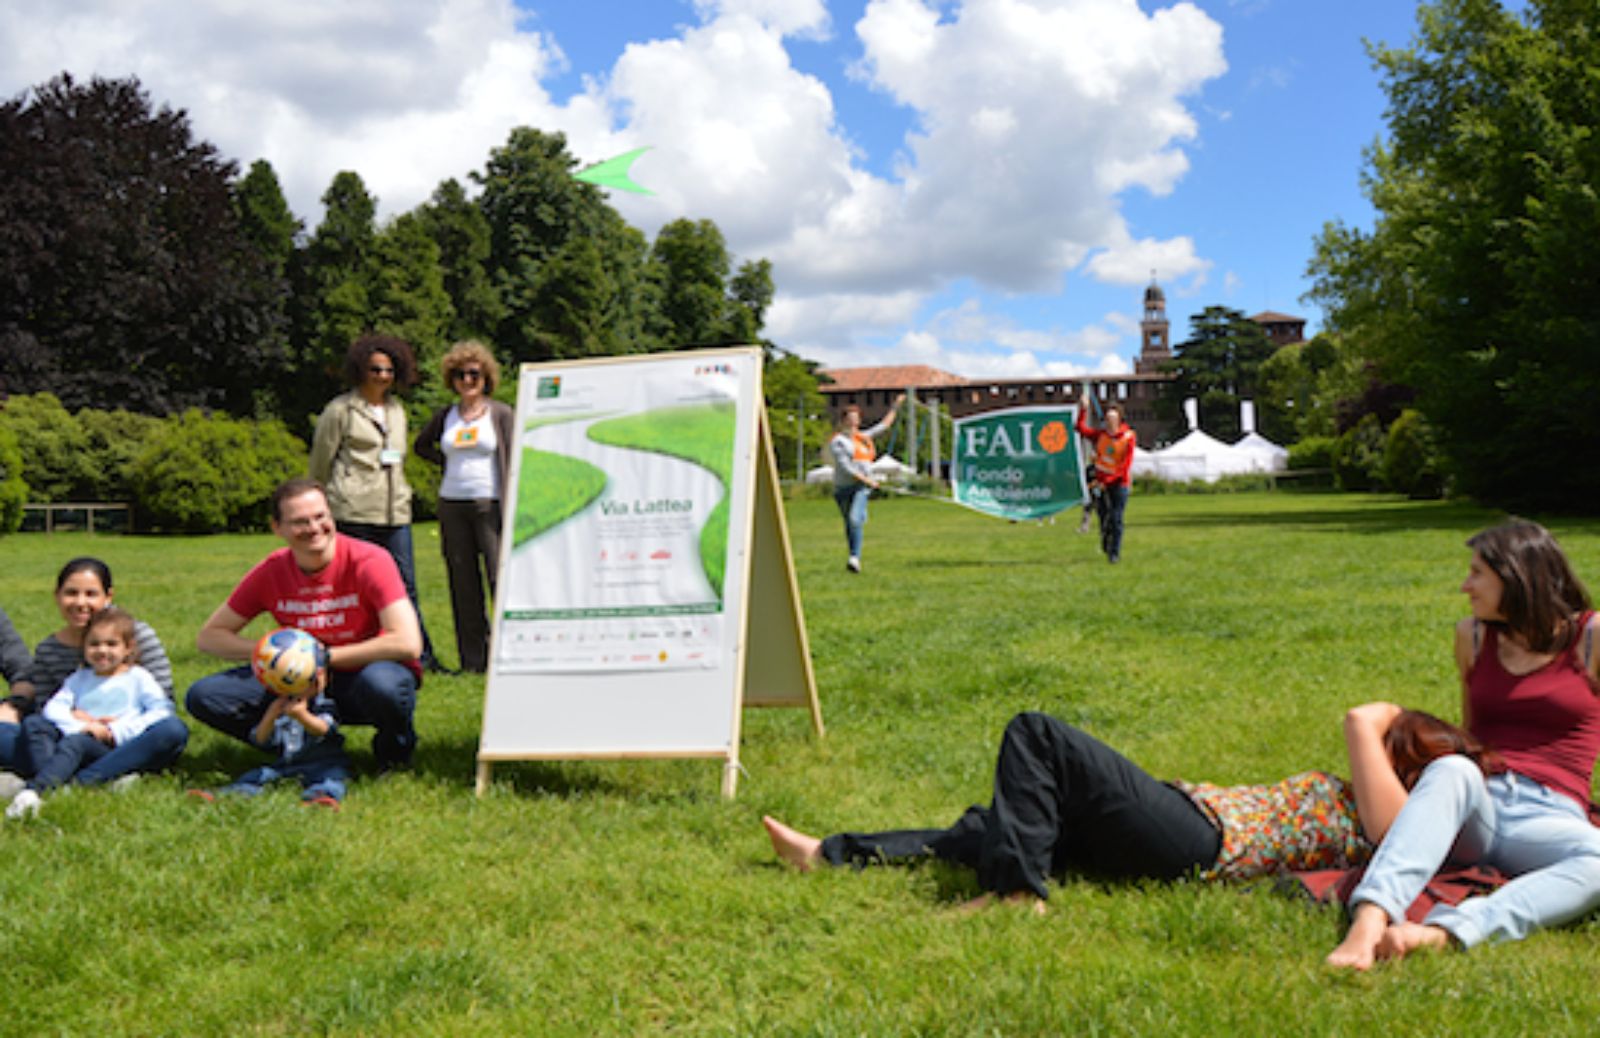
<point>619,556</point>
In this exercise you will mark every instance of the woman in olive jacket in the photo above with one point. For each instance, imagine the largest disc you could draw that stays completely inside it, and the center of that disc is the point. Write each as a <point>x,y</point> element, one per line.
<point>358,454</point>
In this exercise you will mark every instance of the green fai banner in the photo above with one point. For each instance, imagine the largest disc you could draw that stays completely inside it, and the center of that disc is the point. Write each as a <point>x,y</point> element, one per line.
<point>1020,463</point>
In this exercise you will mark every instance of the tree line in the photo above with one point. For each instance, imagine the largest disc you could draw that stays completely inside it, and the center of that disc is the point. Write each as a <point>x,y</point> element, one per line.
<point>141,270</point>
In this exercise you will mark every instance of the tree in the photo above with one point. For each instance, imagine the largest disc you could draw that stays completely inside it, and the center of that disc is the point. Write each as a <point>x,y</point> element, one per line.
<point>54,448</point>
<point>751,290</point>
<point>406,294</point>
<point>335,280</point>
<point>1219,365</point>
<point>1305,387</point>
<point>1475,284</point>
<point>797,410</point>
<point>125,275</point>
<point>273,231</point>
<point>461,231</point>
<point>699,304</point>
<point>13,490</point>
<point>535,210</point>
<point>265,218</point>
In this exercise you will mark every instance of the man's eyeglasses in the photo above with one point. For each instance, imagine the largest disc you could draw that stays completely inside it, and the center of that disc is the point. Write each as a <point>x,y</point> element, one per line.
<point>466,374</point>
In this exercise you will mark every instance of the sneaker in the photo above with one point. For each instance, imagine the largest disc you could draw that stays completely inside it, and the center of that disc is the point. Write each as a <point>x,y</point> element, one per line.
<point>123,783</point>
<point>203,795</point>
<point>24,805</point>
<point>853,565</point>
<point>10,784</point>
<point>321,801</point>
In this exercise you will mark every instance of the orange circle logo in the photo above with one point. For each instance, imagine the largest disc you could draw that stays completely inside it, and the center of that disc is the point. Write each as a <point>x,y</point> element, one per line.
<point>1053,438</point>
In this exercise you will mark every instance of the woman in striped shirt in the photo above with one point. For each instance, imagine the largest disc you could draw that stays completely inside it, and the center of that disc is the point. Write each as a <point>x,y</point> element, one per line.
<point>83,588</point>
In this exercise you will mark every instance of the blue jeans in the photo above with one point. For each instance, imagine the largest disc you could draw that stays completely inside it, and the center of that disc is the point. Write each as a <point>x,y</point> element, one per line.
<point>56,758</point>
<point>396,540</point>
<point>382,694</point>
<point>1541,838</point>
<point>1110,505</point>
<point>10,746</point>
<point>323,777</point>
<point>852,502</point>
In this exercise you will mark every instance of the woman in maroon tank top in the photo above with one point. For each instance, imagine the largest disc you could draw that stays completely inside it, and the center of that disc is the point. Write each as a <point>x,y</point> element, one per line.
<point>1530,678</point>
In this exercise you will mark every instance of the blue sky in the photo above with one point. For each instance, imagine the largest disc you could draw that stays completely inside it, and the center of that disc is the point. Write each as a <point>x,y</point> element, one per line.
<point>982,185</point>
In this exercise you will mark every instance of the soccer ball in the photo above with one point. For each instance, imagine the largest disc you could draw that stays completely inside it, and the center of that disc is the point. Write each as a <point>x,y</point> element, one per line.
<point>287,661</point>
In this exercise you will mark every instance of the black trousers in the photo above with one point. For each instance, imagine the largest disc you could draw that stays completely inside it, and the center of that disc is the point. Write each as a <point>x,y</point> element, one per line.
<point>1063,802</point>
<point>469,535</point>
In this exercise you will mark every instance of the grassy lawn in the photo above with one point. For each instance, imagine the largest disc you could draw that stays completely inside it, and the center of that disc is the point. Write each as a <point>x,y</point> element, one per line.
<point>583,899</point>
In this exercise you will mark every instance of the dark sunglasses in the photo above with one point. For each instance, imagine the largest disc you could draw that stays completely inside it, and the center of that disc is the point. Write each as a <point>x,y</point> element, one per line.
<point>466,374</point>
<point>375,370</point>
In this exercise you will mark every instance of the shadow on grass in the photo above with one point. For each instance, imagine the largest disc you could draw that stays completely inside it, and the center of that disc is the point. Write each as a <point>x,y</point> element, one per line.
<point>1374,518</point>
<point>214,759</point>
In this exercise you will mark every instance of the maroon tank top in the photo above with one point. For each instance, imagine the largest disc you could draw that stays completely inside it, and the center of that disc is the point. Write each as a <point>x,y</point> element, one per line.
<point>1545,725</point>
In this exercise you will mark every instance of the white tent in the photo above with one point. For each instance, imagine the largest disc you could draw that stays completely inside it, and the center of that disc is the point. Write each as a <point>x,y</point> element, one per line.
<point>885,466</point>
<point>1264,455</point>
<point>1196,456</point>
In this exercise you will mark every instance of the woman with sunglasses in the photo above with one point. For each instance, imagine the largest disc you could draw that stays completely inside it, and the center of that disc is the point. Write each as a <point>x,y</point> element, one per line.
<point>472,439</point>
<point>358,455</point>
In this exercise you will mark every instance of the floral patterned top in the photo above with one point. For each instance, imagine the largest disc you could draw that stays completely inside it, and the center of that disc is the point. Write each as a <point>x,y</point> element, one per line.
<point>1307,821</point>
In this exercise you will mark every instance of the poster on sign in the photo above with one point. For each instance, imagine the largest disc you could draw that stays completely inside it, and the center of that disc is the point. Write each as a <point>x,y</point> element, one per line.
<point>646,564</point>
<point>1020,463</point>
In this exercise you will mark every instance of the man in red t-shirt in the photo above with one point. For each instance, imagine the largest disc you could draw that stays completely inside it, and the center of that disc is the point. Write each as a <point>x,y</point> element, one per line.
<point>347,593</point>
<point>1113,447</point>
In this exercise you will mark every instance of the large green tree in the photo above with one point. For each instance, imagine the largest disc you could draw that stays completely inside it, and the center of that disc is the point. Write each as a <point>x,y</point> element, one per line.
<point>461,231</point>
<point>1219,365</point>
<point>265,218</point>
<point>273,230</point>
<point>1475,285</point>
<point>406,295</point>
<point>700,304</point>
<point>537,213</point>
<point>126,278</point>
<point>797,410</point>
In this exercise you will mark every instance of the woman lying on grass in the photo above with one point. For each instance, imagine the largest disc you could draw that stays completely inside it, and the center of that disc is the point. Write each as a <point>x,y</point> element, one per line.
<point>1066,802</point>
<point>1530,679</point>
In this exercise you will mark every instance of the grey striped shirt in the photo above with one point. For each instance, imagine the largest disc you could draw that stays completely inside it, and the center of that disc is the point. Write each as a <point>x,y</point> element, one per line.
<point>54,660</point>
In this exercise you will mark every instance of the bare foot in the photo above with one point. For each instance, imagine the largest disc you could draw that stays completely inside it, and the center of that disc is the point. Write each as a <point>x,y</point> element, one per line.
<point>792,846</point>
<point>1401,939</point>
<point>1359,947</point>
<point>1016,897</point>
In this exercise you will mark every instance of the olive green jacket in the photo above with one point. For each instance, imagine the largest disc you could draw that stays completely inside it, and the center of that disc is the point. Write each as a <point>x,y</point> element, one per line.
<point>347,459</point>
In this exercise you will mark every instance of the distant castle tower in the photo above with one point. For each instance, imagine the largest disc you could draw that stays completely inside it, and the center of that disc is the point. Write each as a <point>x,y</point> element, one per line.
<point>1155,346</point>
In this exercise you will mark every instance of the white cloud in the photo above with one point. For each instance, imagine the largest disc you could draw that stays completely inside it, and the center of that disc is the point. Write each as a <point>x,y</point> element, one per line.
<point>807,18</point>
<point>1125,261</point>
<point>964,338</point>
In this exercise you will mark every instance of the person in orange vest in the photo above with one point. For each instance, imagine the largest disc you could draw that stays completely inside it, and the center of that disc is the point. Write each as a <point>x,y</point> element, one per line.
<point>1112,446</point>
<point>853,452</point>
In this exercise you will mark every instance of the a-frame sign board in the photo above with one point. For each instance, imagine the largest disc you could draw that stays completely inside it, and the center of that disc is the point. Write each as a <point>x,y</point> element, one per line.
<point>646,588</point>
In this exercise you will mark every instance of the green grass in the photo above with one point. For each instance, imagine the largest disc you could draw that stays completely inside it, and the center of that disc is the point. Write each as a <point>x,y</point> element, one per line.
<point>702,434</point>
<point>627,898</point>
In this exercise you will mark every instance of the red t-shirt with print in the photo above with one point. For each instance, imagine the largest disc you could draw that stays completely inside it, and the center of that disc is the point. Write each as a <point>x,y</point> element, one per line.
<point>339,604</point>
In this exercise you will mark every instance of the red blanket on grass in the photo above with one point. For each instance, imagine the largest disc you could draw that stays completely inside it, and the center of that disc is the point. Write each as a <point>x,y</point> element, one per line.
<point>1449,887</point>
